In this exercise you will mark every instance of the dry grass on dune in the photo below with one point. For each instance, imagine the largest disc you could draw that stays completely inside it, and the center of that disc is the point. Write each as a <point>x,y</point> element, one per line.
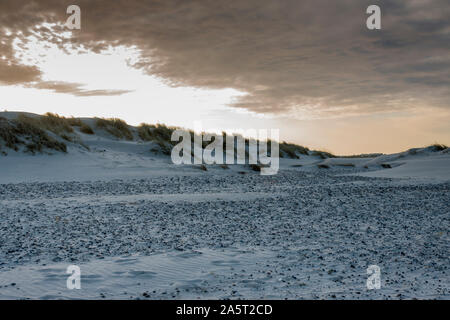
<point>116,127</point>
<point>24,132</point>
<point>86,129</point>
<point>32,132</point>
<point>438,147</point>
<point>160,134</point>
<point>149,132</point>
<point>57,124</point>
<point>76,122</point>
<point>49,121</point>
<point>289,150</point>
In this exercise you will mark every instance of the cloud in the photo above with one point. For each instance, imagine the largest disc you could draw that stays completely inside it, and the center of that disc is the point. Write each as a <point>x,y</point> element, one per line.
<point>75,89</point>
<point>311,57</point>
<point>13,74</point>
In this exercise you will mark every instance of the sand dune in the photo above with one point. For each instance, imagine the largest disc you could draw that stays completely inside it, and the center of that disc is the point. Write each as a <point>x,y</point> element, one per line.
<point>140,227</point>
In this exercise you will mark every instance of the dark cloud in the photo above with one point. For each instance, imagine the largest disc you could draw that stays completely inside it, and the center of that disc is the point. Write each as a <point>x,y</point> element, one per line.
<point>315,56</point>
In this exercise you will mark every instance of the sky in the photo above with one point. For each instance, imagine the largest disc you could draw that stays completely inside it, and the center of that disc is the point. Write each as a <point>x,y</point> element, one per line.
<point>310,68</point>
